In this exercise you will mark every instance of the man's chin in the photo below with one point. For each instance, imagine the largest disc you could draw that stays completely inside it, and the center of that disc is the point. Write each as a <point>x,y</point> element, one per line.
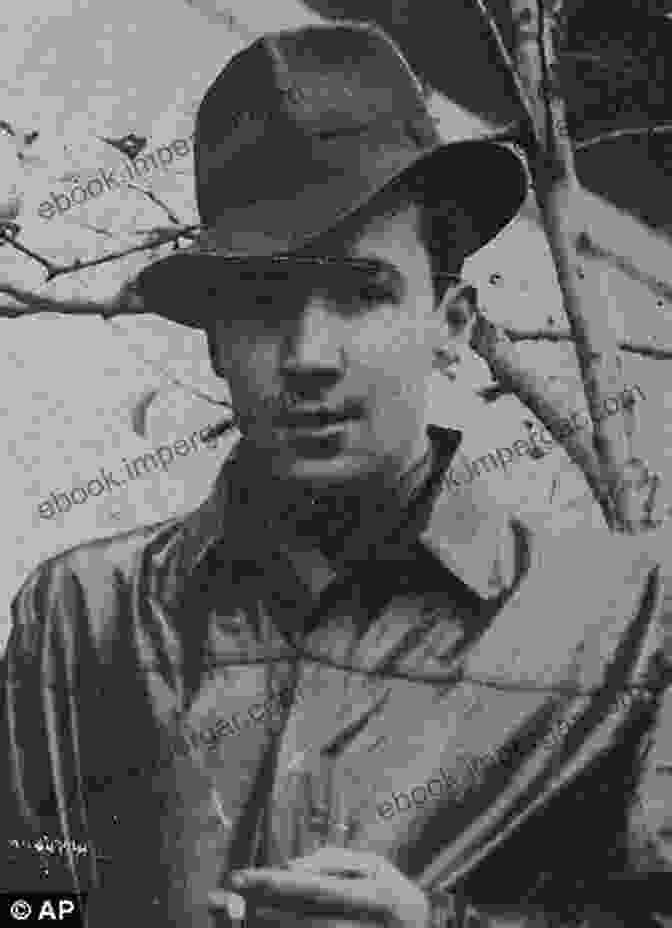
<point>341,468</point>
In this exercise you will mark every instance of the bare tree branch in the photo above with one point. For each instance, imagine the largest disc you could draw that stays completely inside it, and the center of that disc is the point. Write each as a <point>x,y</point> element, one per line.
<point>160,237</point>
<point>664,128</point>
<point>519,128</point>
<point>161,371</point>
<point>39,303</point>
<point>492,344</point>
<point>174,218</point>
<point>662,353</point>
<point>642,486</point>
<point>13,241</point>
<point>587,246</point>
<point>537,28</point>
<point>516,131</point>
<point>97,229</point>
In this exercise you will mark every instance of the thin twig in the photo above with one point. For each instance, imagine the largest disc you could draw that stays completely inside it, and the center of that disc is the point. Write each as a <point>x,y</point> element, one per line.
<point>174,218</point>
<point>509,63</point>
<point>662,353</point>
<point>587,246</point>
<point>14,243</point>
<point>660,129</point>
<point>54,270</point>
<point>97,229</point>
<point>156,366</point>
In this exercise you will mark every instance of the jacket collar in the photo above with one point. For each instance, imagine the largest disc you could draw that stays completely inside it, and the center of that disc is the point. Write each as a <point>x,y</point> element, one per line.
<point>467,531</point>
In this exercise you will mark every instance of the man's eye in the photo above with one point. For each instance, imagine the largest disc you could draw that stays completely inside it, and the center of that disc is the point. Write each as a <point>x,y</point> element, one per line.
<point>375,293</point>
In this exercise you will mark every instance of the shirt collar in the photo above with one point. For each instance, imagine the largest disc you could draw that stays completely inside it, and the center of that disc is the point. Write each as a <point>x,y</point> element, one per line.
<point>470,535</point>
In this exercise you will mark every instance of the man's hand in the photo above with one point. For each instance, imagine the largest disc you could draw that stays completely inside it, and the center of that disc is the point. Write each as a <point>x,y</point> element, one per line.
<point>335,882</point>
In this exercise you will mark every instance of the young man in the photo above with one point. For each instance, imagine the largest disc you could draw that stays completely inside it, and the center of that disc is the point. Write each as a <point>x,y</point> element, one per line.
<point>337,689</point>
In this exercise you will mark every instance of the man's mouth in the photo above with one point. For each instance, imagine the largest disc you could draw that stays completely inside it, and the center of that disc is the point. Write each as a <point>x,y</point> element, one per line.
<point>312,418</point>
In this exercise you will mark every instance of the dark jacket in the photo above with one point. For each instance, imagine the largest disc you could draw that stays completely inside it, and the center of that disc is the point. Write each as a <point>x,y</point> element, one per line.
<point>160,709</point>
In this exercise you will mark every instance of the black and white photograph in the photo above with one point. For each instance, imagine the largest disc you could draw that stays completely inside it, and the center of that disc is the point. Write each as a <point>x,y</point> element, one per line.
<point>335,342</point>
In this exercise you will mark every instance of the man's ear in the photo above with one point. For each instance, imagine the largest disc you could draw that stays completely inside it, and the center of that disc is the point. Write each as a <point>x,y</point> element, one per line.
<point>457,316</point>
<point>458,310</point>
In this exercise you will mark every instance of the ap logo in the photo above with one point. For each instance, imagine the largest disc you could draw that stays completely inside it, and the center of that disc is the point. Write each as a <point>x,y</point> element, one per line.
<point>50,909</point>
<point>43,907</point>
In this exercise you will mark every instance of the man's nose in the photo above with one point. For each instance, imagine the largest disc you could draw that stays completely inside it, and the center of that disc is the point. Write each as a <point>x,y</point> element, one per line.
<point>314,344</point>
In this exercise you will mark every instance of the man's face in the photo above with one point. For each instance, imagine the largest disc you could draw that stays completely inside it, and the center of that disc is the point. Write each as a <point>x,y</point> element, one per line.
<point>328,363</point>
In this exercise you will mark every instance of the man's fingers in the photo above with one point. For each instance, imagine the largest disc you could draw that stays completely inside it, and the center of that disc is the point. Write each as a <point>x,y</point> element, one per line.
<point>335,882</point>
<point>340,870</point>
<point>358,897</point>
<point>339,861</point>
<point>299,881</point>
<point>232,903</point>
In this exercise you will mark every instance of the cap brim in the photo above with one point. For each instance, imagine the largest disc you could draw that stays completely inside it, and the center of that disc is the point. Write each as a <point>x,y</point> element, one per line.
<point>486,180</point>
